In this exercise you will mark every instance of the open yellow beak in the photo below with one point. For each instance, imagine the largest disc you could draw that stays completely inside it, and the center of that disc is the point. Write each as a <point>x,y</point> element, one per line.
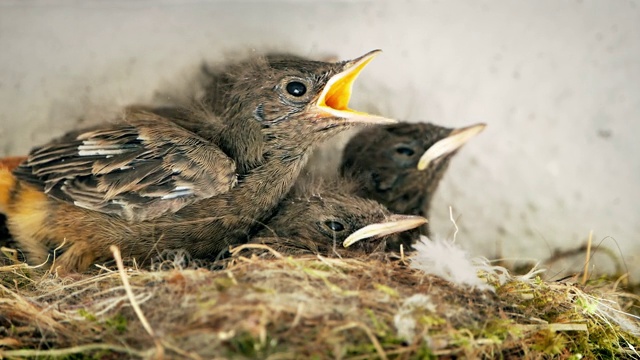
<point>394,224</point>
<point>334,99</point>
<point>451,143</point>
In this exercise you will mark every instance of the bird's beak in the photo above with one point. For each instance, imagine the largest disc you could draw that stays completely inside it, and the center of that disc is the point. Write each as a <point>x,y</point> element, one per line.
<point>451,143</point>
<point>334,99</point>
<point>394,224</point>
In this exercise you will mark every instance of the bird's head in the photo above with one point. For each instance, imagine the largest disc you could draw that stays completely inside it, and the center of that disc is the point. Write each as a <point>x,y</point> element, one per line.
<point>295,98</point>
<point>400,165</point>
<point>336,220</point>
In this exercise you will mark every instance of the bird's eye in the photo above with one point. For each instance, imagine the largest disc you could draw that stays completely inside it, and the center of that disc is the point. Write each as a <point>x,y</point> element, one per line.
<point>296,88</point>
<point>334,225</point>
<point>405,150</point>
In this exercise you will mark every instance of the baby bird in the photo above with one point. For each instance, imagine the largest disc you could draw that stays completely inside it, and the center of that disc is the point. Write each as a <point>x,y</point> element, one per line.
<point>401,165</point>
<point>150,183</point>
<point>329,219</point>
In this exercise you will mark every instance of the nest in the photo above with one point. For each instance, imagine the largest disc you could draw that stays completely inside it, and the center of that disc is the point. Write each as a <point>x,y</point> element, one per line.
<point>307,307</point>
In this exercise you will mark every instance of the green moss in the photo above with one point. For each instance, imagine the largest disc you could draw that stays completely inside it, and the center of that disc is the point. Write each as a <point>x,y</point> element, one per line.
<point>87,315</point>
<point>431,320</point>
<point>223,283</point>
<point>550,342</point>
<point>387,290</point>
<point>118,323</point>
<point>499,330</point>
<point>379,327</point>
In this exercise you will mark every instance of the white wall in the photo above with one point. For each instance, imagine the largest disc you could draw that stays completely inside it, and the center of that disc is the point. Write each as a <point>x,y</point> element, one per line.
<point>558,82</point>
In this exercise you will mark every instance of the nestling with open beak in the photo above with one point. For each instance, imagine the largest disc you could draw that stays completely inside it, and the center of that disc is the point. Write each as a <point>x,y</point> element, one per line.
<point>220,85</point>
<point>328,219</point>
<point>401,165</point>
<point>148,183</point>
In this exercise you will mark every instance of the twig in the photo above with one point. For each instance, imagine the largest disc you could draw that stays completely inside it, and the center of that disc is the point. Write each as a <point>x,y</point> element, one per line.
<point>556,327</point>
<point>455,233</point>
<point>296,319</point>
<point>70,351</point>
<point>372,337</point>
<point>132,299</point>
<point>623,277</point>
<point>237,249</point>
<point>55,252</point>
<point>586,261</point>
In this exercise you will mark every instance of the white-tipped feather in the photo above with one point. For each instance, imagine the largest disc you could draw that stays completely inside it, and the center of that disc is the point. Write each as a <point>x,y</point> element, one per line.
<point>177,193</point>
<point>101,152</point>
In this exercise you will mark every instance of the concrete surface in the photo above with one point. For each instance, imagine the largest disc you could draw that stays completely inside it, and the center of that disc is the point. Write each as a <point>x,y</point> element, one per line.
<point>558,82</point>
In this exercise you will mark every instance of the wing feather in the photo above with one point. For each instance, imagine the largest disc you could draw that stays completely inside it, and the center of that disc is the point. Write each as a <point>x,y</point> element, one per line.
<point>139,169</point>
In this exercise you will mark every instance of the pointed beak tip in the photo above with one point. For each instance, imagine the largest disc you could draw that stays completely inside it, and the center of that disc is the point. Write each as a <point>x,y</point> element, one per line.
<point>394,224</point>
<point>478,128</point>
<point>369,55</point>
<point>374,52</point>
<point>472,130</point>
<point>366,58</point>
<point>334,98</point>
<point>451,143</point>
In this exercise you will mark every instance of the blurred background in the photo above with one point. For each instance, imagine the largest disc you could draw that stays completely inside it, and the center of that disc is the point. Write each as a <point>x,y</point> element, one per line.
<point>558,83</point>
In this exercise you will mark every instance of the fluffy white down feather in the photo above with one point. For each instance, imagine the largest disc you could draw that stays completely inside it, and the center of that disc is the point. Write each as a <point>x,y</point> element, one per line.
<point>449,261</point>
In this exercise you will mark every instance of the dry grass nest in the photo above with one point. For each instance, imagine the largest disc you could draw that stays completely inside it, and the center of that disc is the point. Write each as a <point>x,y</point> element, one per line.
<point>309,307</point>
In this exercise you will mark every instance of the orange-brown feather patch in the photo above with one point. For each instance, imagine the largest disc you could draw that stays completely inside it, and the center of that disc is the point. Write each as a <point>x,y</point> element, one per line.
<point>26,208</point>
<point>7,182</point>
<point>29,208</point>
<point>11,162</point>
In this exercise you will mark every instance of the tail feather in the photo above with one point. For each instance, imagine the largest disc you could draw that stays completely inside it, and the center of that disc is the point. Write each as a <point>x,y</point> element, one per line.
<point>7,180</point>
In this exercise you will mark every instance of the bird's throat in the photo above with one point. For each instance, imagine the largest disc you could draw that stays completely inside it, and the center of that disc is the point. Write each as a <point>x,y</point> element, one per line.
<point>244,142</point>
<point>265,186</point>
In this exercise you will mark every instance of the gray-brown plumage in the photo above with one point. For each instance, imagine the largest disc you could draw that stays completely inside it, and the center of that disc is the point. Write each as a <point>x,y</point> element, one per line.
<point>317,219</point>
<point>401,165</point>
<point>148,183</point>
<point>218,81</point>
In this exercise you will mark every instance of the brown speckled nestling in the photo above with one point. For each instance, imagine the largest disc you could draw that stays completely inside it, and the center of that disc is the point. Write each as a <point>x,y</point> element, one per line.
<point>329,219</point>
<point>401,165</point>
<point>148,183</point>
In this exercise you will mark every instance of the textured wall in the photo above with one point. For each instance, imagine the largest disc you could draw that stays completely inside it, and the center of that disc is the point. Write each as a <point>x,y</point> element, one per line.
<point>558,82</point>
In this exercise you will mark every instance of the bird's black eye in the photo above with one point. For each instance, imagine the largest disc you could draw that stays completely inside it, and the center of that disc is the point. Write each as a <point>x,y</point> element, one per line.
<point>296,88</point>
<point>334,225</point>
<point>404,150</point>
